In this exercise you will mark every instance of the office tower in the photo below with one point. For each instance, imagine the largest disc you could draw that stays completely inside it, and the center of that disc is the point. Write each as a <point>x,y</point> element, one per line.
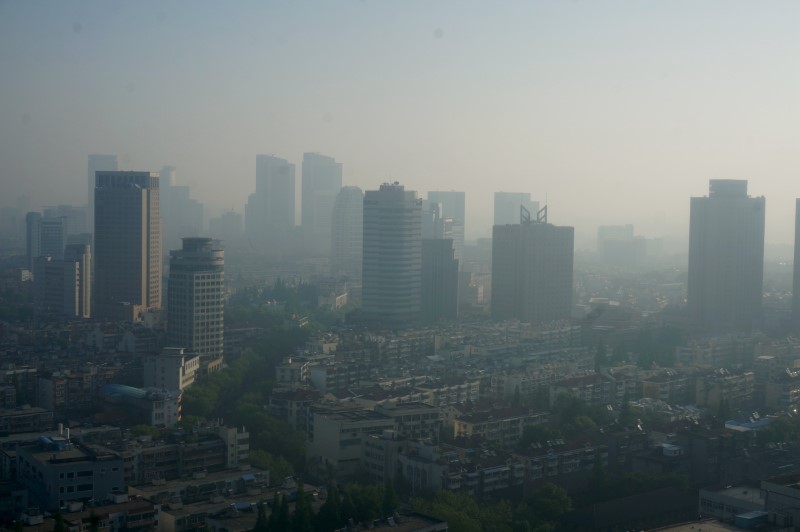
<point>127,250</point>
<point>532,271</point>
<point>453,208</point>
<point>74,218</point>
<point>44,237</point>
<point>322,180</point>
<point>196,298</point>
<point>347,231</point>
<point>439,280</point>
<point>61,288</point>
<point>269,213</point>
<point>507,204</point>
<point>392,256</point>
<point>96,163</point>
<point>434,225</point>
<point>181,215</point>
<point>726,258</point>
<point>78,280</point>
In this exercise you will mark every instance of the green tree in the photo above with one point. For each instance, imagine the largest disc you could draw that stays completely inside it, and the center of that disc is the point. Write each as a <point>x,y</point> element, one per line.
<point>329,516</point>
<point>389,504</point>
<point>551,502</point>
<point>303,518</point>
<point>262,523</point>
<point>59,519</point>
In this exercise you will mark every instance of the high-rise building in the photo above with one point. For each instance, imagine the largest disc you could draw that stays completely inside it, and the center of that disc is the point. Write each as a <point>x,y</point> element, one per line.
<point>97,162</point>
<point>347,231</point>
<point>507,206</point>
<point>196,299</point>
<point>181,214</point>
<point>127,251</point>
<point>45,237</point>
<point>453,207</point>
<point>726,258</point>
<point>62,288</point>
<point>392,256</point>
<point>322,180</point>
<point>74,218</point>
<point>796,283</point>
<point>617,245</point>
<point>269,214</point>
<point>532,271</point>
<point>439,280</point>
<point>226,227</point>
<point>78,280</point>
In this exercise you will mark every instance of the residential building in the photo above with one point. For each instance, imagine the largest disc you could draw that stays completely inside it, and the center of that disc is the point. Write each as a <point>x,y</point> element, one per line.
<point>173,369</point>
<point>726,258</point>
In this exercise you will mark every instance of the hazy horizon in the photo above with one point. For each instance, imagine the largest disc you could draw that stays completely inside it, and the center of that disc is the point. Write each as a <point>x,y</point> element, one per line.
<point>610,112</point>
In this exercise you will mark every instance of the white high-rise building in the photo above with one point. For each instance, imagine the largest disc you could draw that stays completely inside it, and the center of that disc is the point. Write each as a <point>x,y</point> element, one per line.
<point>196,299</point>
<point>392,256</point>
<point>347,230</point>
<point>453,207</point>
<point>322,180</point>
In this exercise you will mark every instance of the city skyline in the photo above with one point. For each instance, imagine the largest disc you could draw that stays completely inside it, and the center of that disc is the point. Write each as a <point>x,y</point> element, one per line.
<point>616,104</point>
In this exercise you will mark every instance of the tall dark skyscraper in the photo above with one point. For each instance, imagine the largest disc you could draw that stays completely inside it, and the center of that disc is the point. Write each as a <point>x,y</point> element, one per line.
<point>439,280</point>
<point>196,299</point>
<point>726,258</point>
<point>392,256</point>
<point>97,162</point>
<point>127,252</point>
<point>322,180</point>
<point>532,271</point>
<point>347,234</point>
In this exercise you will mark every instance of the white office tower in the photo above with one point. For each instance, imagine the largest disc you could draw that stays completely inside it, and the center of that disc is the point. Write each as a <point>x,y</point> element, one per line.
<point>196,299</point>
<point>392,256</point>
<point>347,229</point>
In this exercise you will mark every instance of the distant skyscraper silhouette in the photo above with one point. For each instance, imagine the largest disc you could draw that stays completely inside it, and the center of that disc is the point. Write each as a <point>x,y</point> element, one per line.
<point>322,180</point>
<point>97,162</point>
<point>269,214</point>
<point>392,256</point>
<point>347,231</point>
<point>532,271</point>
<point>453,207</point>
<point>507,204</point>
<point>726,258</point>
<point>196,299</point>
<point>127,252</point>
<point>181,215</point>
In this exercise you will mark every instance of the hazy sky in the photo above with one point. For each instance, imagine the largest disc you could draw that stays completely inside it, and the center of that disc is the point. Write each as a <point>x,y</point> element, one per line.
<point>614,111</point>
